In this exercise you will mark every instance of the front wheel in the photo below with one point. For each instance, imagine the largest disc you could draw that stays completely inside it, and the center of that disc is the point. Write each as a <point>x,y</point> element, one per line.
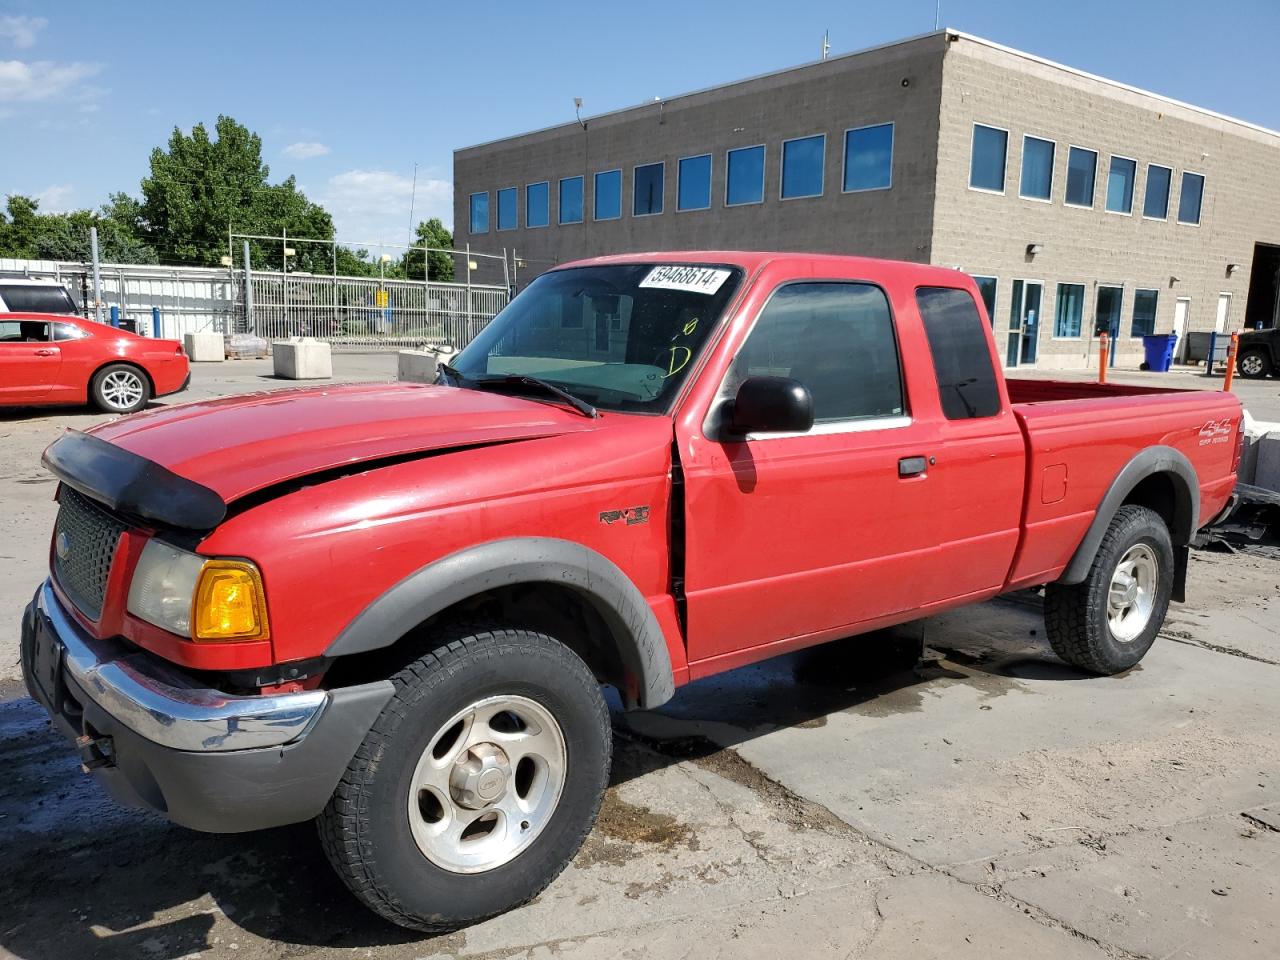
<point>476,785</point>
<point>1254,364</point>
<point>1107,623</point>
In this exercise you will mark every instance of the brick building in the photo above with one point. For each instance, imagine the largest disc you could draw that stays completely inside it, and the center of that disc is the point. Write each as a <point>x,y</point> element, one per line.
<point>1079,202</point>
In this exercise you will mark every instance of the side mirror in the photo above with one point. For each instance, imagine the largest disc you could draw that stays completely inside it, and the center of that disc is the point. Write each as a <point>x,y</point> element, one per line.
<point>771,405</point>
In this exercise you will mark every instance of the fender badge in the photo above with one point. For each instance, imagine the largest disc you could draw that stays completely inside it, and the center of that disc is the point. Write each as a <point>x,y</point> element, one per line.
<point>632,516</point>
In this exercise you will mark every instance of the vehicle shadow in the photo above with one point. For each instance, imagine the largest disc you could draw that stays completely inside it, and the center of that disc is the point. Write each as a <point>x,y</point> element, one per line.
<point>85,878</point>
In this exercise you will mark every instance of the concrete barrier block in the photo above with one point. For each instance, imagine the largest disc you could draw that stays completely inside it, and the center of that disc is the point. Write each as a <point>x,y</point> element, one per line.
<point>416,366</point>
<point>1266,472</point>
<point>302,358</point>
<point>204,347</point>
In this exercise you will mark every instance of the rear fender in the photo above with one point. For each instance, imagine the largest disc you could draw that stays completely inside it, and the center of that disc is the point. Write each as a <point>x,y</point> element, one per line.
<point>1186,506</point>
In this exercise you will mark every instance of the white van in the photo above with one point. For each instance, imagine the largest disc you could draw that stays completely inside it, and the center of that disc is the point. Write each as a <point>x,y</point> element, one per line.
<point>23,295</point>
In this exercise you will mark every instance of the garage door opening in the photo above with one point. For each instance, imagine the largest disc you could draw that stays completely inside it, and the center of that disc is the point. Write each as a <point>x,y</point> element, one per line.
<point>1262,309</point>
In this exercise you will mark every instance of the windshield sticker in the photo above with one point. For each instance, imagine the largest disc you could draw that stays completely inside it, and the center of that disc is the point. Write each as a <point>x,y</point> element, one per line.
<point>705,280</point>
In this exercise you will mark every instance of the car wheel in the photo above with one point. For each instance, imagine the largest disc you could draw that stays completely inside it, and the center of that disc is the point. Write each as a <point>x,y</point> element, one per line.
<point>477,783</point>
<point>1255,365</point>
<point>120,388</point>
<point>1107,623</point>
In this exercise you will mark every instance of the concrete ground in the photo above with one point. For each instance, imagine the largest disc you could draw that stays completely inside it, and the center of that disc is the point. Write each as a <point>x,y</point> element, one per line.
<point>843,801</point>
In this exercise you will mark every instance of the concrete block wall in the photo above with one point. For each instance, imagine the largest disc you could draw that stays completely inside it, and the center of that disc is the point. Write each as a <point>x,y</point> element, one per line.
<point>899,83</point>
<point>988,234</point>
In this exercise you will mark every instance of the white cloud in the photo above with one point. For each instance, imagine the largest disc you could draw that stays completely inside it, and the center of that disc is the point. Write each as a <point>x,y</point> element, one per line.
<point>305,150</point>
<point>21,31</point>
<point>369,206</point>
<point>55,198</point>
<point>44,80</point>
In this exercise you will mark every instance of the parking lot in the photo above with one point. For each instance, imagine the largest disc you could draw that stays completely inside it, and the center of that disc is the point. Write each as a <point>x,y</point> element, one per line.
<point>850,800</point>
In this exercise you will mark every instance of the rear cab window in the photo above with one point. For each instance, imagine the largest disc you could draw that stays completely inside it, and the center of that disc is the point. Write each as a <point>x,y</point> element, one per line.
<point>967,386</point>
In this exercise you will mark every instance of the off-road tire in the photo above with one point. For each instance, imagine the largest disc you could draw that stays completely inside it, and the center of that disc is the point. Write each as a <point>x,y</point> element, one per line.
<point>101,393</point>
<point>1075,615</point>
<point>365,828</point>
<point>1259,371</point>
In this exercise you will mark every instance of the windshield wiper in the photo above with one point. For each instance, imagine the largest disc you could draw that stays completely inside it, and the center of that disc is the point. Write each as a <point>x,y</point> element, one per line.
<point>519,379</point>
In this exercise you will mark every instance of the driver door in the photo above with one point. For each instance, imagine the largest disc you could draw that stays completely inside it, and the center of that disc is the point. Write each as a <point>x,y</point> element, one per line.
<point>798,537</point>
<point>29,361</point>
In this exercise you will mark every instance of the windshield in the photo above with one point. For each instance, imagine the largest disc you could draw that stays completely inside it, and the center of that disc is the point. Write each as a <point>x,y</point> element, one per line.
<point>621,337</point>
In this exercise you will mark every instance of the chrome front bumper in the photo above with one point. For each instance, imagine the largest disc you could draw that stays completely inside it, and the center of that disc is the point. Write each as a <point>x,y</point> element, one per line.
<point>164,706</point>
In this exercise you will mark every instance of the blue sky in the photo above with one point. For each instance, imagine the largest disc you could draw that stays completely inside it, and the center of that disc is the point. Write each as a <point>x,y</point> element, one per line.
<point>350,96</point>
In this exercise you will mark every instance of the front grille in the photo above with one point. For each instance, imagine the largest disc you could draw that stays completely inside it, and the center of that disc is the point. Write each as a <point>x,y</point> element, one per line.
<point>85,539</point>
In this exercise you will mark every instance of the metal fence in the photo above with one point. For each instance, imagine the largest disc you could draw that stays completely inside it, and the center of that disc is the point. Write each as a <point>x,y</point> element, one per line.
<point>358,313</point>
<point>353,313</point>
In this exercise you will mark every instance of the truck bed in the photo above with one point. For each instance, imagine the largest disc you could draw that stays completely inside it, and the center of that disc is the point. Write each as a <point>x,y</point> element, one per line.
<point>1080,435</point>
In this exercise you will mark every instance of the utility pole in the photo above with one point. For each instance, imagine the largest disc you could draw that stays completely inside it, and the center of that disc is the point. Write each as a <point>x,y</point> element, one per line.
<point>97,275</point>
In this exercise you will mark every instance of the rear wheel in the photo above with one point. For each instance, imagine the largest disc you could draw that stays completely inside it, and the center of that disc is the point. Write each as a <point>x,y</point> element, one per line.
<point>1107,623</point>
<point>476,785</point>
<point>120,388</point>
<point>1254,364</point>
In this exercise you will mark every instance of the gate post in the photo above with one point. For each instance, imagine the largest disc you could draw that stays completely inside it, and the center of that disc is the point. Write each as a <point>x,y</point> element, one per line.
<point>250,326</point>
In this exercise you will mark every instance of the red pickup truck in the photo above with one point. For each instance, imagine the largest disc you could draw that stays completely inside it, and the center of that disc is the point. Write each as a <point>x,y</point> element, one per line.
<point>392,607</point>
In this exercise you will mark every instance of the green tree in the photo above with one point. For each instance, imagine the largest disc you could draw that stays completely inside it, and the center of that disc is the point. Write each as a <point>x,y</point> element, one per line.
<point>28,234</point>
<point>431,233</point>
<point>201,186</point>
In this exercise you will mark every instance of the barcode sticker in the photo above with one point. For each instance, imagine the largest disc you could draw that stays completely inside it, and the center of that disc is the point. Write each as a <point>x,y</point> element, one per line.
<point>705,280</point>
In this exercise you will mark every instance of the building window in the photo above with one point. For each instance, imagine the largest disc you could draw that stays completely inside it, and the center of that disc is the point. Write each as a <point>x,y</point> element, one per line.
<point>961,353</point>
<point>803,163</point>
<point>694,188</point>
<point>986,164</point>
<point>507,214</point>
<point>1144,312</point>
<point>608,195</point>
<point>744,176</point>
<point>868,158</point>
<point>571,200</point>
<point>646,198</point>
<point>1037,168</point>
<point>1192,197</point>
<point>479,212</point>
<point>1082,172</point>
<point>1155,205</point>
<point>537,203</point>
<point>1120,185</point>
<point>987,290</point>
<point>1070,315</point>
<point>814,332</point>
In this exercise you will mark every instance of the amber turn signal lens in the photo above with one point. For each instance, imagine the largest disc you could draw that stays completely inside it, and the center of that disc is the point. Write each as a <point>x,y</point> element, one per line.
<point>230,603</point>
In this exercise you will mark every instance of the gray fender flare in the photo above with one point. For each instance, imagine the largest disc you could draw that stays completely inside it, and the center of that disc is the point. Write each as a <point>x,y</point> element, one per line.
<point>1186,504</point>
<point>637,638</point>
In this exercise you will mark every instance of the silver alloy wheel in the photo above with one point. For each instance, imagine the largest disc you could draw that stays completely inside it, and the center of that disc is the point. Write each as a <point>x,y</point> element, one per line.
<point>487,784</point>
<point>1251,364</point>
<point>121,389</point>
<point>1132,595</point>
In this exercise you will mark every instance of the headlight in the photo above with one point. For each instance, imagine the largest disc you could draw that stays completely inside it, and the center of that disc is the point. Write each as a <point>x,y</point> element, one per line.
<point>196,597</point>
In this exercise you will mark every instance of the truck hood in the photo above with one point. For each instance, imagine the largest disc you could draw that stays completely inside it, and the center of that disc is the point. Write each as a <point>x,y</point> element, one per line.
<point>238,445</point>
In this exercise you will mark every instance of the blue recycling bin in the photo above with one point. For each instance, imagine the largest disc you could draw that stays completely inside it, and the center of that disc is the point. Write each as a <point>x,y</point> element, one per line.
<point>1159,351</point>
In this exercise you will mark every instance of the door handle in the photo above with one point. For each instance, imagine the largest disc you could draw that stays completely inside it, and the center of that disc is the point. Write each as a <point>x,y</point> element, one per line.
<point>912,466</point>
<point>45,353</point>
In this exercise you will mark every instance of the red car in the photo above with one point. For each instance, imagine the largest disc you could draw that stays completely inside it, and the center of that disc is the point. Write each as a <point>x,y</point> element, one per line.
<point>47,358</point>
<point>391,607</point>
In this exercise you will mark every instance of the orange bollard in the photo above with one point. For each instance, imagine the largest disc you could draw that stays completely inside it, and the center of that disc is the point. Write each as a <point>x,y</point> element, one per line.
<point>1102,357</point>
<point>1231,361</point>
